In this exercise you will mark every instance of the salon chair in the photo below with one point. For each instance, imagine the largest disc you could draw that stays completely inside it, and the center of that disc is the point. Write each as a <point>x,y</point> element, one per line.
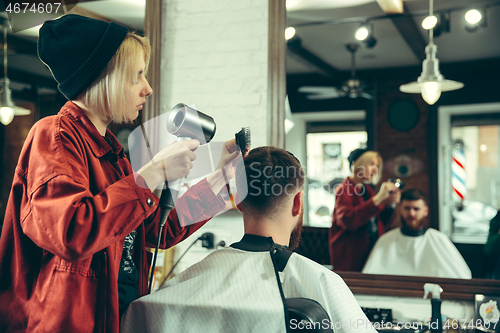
<point>304,311</point>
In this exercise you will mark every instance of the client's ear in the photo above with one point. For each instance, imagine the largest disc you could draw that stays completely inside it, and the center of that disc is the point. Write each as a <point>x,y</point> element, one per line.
<point>297,203</point>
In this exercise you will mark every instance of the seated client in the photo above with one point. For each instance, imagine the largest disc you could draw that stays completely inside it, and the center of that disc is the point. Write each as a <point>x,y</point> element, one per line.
<point>236,289</point>
<point>415,250</point>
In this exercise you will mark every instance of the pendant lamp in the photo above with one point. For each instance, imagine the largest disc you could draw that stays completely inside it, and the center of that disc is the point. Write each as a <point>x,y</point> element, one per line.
<point>7,108</point>
<point>431,82</point>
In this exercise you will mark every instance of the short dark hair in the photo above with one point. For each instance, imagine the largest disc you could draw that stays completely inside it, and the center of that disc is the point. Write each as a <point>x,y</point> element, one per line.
<point>272,174</point>
<point>413,194</point>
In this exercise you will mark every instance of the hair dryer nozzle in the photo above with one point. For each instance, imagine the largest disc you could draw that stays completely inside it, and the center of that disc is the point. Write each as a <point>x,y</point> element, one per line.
<point>184,121</point>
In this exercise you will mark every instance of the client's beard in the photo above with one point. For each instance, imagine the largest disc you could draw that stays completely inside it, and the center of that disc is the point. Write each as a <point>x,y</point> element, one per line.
<point>295,235</point>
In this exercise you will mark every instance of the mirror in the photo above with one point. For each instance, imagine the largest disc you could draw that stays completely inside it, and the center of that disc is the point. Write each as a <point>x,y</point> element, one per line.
<point>319,157</point>
<point>314,245</point>
<point>400,126</point>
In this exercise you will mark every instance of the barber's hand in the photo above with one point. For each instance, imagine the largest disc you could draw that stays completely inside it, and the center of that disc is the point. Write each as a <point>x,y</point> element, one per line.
<point>217,179</point>
<point>171,163</point>
<point>229,154</point>
<point>387,189</point>
<point>395,197</point>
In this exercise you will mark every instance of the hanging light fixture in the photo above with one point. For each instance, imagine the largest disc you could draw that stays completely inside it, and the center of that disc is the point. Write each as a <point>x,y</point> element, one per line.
<point>431,82</point>
<point>8,109</point>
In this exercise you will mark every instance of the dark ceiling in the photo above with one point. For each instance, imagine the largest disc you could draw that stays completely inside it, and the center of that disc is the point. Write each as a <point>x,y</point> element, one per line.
<point>317,55</point>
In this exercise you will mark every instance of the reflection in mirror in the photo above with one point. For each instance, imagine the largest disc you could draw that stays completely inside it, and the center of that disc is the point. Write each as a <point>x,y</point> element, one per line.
<point>320,205</point>
<point>314,245</point>
<point>414,249</point>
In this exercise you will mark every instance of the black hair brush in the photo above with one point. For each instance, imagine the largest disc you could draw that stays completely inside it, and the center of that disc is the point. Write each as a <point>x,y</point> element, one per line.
<point>243,140</point>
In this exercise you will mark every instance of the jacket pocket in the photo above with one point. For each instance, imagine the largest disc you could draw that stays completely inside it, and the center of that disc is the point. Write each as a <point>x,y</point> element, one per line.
<point>75,298</point>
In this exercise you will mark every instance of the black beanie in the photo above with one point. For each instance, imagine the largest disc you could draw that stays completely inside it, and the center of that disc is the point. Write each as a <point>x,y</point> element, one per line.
<point>355,154</point>
<point>77,49</point>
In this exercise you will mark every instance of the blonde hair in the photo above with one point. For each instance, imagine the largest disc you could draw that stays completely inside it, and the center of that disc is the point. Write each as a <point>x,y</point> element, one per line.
<point>360,165</point>
<point>106,96</point>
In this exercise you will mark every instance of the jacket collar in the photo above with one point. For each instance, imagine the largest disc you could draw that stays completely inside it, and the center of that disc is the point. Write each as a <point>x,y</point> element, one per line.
<point>98,144</point>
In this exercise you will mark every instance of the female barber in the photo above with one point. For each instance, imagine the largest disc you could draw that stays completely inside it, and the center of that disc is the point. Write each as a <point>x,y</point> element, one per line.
<point>360,215</point>
<point>78,220</point>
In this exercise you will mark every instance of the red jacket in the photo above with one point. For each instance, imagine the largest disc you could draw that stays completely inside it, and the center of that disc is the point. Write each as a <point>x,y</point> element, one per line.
<point>73,200</point>
<point>348,236</point>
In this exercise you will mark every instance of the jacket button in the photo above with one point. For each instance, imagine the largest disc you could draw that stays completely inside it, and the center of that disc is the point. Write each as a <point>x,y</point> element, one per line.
<point>150,202</point>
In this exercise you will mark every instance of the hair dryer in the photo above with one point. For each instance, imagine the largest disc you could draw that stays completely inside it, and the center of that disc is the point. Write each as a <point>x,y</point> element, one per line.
<point>186,123</point>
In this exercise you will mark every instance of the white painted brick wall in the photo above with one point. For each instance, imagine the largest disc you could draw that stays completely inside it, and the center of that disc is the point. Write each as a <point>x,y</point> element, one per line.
<point>214,56</point>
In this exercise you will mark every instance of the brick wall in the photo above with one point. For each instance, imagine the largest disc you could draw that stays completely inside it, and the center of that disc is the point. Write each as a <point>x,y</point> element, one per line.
<point>13,139</point>
<point>215,56</point>
<point>391,143</point>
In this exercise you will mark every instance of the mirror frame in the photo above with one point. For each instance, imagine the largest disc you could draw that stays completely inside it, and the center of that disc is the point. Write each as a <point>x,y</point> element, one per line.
<point>413,286</point>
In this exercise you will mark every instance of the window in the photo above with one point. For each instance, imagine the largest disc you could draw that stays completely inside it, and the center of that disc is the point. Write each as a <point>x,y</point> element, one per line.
<point>469,170</point>
<point>327,166</point>
<point>316,140</point>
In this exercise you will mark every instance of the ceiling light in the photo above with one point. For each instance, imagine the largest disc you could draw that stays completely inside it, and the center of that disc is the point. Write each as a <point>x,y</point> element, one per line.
<point>473,16</point>
<point>365,34</point>
<point>442,25</point>
<point>8,109</point>
<point>431,82</point>
<point>475,19</point>
<point>361,33</point>
<point>289,33</point>
<point>6,115</point>
<point>429,22</point>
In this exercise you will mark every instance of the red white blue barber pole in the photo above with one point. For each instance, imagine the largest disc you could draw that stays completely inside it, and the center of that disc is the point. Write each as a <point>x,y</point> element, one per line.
<point>458,177</point>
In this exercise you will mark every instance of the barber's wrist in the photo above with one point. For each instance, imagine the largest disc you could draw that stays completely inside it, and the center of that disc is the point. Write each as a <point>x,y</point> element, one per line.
<point>377,199</point>
<point>150,176</point>
<point>216,180</point>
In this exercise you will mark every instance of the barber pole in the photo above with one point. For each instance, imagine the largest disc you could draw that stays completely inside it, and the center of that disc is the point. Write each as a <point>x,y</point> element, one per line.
<point>458,175</point>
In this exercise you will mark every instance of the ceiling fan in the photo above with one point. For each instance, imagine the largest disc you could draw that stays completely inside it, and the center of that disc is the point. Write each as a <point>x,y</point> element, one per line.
<point>352,88</point>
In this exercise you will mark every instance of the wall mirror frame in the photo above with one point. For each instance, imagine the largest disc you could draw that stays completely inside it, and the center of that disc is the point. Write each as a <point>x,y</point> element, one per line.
<point>314,245</point>
<point>413,286</point>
